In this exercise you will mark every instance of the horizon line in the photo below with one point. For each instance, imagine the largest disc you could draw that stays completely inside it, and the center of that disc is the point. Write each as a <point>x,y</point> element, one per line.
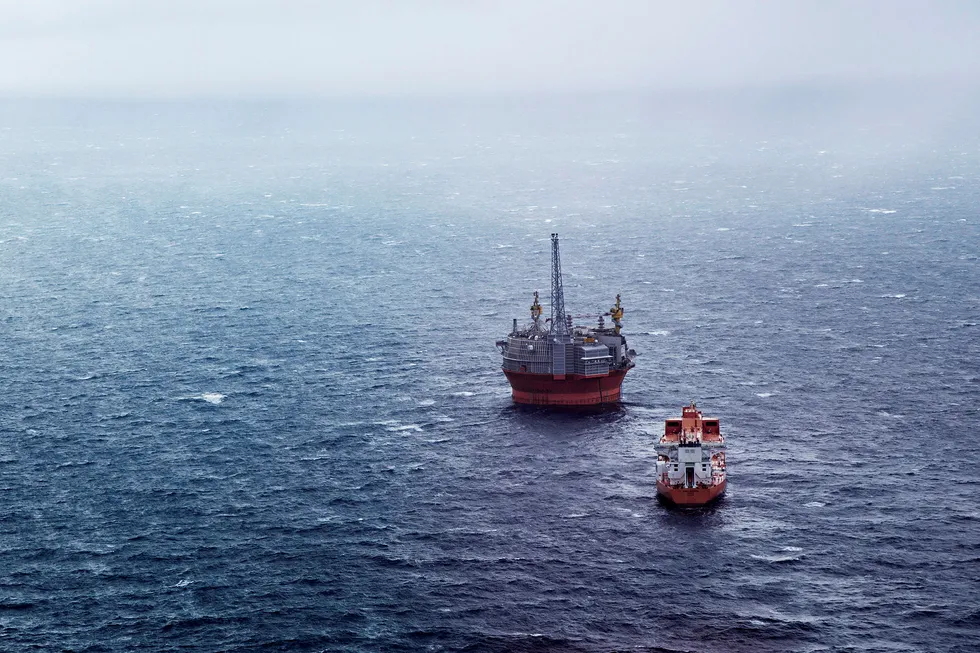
<point>895,82</point>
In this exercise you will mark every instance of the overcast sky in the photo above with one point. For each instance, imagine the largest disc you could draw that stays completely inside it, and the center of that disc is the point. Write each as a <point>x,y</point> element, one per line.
<point>308,47</point>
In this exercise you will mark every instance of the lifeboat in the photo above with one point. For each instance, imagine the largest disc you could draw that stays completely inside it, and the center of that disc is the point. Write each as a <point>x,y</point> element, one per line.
<point>691,460</point>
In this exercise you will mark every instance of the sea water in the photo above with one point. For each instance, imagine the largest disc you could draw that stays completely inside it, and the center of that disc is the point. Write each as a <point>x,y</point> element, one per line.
<point>250,396</point>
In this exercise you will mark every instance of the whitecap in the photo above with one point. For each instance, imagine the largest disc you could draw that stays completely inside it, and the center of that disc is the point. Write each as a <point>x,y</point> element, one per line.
<point>898,296</point>
<point>885,211</point>
<point>723,229</point>
<point>657,333</point>
<point>814,504</point>
<point>405,427</point>
<point>777,558</point>
<point>427,402</point>
<point>464,393</point>
<point>884,413</point>
<point>213,397</point>
<point>764,395</point>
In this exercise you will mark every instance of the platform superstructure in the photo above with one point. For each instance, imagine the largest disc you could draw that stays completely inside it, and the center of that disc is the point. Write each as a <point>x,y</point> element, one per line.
<point>559,363</point>
<point>691,462</point>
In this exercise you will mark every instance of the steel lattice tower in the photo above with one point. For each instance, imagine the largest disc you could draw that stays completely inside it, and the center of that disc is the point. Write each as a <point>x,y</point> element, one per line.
<point>559,325</point>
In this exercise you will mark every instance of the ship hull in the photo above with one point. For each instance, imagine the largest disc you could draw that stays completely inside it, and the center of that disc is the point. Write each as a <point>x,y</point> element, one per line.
<point>691,497</point>
<point>573,390</point>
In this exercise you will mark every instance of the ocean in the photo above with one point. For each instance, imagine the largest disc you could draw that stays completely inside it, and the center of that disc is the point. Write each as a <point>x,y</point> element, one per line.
<point>250,397</point>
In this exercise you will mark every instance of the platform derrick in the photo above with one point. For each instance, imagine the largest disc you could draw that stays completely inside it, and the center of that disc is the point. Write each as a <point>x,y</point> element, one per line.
<point>560,364</point>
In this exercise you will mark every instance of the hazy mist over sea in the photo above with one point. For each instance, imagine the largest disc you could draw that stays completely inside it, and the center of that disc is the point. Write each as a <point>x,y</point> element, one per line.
<point>254,258</point>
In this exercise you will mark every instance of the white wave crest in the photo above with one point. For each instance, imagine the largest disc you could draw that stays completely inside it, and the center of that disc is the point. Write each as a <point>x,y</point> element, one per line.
<point>775,559</point>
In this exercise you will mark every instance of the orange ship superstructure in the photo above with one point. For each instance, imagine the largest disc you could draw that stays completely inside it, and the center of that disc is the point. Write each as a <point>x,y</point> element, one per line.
<point>691,460</point>
<point>561,364</point>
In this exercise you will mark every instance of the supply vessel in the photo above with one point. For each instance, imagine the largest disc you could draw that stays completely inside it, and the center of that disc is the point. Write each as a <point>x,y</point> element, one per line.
<point>691,459</point>
<point>560,364</point>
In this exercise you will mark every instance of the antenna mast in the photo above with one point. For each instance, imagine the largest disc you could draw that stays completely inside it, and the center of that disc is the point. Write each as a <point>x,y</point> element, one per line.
<point>559,323</point>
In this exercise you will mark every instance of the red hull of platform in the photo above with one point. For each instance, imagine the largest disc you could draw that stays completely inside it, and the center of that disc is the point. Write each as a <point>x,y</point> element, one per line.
<point>573,390</point>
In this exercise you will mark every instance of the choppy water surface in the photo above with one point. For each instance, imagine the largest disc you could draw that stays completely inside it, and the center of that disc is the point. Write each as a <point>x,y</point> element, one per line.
<point>250,396</point>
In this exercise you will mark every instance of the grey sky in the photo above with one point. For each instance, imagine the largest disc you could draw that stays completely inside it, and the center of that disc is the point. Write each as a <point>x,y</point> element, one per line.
<point>304,47</point>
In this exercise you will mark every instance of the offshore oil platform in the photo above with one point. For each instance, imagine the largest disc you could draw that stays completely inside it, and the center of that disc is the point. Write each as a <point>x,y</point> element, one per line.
<point>562,364</point>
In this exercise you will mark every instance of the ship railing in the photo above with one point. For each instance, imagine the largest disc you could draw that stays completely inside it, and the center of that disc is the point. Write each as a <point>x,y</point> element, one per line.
<point>682,485</point>
<point>527,356</point>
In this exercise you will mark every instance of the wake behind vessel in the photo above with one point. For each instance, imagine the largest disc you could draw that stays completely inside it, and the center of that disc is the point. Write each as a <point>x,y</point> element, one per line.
<point>691,462</point>
<point>564,364</point>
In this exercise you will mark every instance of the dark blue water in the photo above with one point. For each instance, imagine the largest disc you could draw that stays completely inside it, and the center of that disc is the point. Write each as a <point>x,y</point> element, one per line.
<point>250,398</point>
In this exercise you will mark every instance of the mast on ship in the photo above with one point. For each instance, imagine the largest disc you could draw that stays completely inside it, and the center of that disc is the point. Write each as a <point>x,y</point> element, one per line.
<point>559,331</point>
